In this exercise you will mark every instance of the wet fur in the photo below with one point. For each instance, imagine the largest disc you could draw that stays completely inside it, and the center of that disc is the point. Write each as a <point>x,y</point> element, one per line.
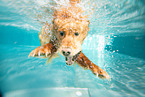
<point>64,20</point>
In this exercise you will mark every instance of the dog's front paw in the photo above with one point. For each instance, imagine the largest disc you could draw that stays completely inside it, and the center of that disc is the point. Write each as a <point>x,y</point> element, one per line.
<point>41,51</point>
<point>101,73</point>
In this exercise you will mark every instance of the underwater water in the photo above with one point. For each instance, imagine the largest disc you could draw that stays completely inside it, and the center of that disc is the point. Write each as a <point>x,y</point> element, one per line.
<point>115,42</point>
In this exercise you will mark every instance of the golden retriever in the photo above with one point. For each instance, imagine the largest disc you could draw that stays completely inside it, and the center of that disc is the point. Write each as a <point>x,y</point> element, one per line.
<point>65,35</point>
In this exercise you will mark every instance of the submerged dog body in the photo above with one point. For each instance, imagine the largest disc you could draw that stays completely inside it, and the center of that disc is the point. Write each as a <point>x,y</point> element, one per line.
<point>68,30</point>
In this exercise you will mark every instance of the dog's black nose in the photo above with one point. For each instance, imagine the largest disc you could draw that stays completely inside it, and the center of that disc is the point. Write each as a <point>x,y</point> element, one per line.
<point>66,53</point>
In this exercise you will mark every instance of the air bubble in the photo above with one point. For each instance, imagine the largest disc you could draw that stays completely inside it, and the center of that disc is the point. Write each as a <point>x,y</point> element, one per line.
<point>78,93</point>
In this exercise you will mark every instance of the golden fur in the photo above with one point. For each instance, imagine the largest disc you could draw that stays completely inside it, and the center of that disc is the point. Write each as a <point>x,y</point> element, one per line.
<point>68,30</point>
<point>70,20</point>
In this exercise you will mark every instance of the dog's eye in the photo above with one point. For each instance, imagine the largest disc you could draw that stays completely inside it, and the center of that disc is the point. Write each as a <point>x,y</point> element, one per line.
<point>76,34</point>
<point>62,33</point>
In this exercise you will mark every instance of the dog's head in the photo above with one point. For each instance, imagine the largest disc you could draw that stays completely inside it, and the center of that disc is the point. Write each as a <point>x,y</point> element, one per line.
<point>70,35</point>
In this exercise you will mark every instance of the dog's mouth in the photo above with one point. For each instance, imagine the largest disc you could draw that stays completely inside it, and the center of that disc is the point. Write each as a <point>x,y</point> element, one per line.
<point>71,59</point>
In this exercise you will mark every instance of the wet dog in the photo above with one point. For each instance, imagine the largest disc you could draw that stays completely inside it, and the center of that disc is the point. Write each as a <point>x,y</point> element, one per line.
<point>65,35</point>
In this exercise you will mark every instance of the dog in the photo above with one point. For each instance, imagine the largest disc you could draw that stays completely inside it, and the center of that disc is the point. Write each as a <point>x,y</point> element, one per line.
<point>65,35</point>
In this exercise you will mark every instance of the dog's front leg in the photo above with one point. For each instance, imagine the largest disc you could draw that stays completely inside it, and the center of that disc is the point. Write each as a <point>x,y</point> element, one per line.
<point>84,62</point>
<point>44,50</point>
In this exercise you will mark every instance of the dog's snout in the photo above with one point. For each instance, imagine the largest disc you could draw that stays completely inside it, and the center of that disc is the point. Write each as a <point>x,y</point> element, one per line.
<point>66,51</point>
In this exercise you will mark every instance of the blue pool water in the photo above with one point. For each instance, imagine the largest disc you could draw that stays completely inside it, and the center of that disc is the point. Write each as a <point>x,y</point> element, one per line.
<point>116,43</point>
